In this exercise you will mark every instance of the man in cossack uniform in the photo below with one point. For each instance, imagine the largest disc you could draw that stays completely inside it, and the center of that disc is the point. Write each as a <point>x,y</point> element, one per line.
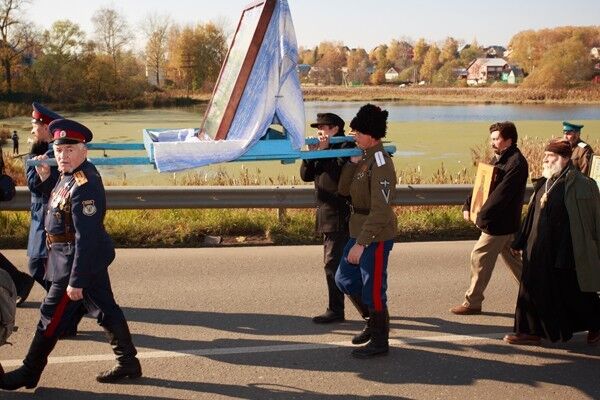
<point>36,245</point>
<point>41,117</point>
<point>582,152</point>
<point>79,253</point>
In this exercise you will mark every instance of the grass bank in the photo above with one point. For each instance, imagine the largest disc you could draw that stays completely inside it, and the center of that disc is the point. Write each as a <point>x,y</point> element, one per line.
<point>189,228</point>
<point>418,94</point>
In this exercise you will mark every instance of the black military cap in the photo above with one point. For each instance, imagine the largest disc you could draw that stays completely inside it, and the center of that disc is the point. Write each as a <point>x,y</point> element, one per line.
<point>66,131</point>
<point>42,115</point>
<point>328,119</point>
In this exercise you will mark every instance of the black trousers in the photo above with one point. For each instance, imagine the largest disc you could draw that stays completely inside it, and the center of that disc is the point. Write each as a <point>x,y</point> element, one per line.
<point>59,312</point>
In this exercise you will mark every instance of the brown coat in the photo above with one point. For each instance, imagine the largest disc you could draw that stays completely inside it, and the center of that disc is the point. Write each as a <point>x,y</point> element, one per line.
<point>582,157</point>
<point>371,184</point>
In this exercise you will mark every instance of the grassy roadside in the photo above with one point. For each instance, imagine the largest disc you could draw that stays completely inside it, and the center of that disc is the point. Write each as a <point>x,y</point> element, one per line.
<point>188,228</point>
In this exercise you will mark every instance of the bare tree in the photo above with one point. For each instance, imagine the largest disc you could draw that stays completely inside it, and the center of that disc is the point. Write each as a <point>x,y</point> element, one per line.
<point>156,31</point>
<point>112,32</point>
<point>16,38</point>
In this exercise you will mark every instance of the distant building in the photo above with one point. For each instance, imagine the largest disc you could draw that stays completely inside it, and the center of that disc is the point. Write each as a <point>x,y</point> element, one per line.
<point>494,51</point>
<point>303,70</point>
<point>513,75</point>
<point>460,73</point>
<point>391,75</point>
<point>485,70</point>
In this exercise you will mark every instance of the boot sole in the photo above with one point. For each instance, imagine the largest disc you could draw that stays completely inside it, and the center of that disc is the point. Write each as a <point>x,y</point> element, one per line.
<point>370,355</point>
<point>363,341</point>
<point>115,380</point>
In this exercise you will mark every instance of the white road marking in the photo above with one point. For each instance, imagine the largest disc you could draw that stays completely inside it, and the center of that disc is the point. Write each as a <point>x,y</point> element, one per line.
<point>257,349</point>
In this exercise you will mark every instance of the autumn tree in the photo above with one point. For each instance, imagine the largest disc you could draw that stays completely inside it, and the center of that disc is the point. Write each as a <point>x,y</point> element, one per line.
<point>378,57</point>
<point>112,33</point>
<point>529,47</point>
<point>156,31</point>
<point>55,67</point>
<point>420,50</point>
<point>431,63</point>
<point>197,53</point>
<point>564,64</point>
<point>16,38</point>
<point>470,52</point>
<point>399,54</point>
<point>449,50</point>
<point>306,56</point>
<point>328,69</point>
<point>358,66</point>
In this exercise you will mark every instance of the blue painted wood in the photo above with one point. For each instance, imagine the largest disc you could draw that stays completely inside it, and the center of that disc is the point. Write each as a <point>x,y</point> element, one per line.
<point>116,146</point>
<point>274,145</point>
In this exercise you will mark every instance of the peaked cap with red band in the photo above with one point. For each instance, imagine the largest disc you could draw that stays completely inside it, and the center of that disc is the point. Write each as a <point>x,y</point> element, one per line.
<point>67,131</point>
<point>42,115</point>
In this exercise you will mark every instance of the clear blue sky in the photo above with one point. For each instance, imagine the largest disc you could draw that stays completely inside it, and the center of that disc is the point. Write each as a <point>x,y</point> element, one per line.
<point>357,23</point>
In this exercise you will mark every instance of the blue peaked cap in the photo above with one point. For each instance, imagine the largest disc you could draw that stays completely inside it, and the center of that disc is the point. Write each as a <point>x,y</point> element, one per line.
<point>567,126</point>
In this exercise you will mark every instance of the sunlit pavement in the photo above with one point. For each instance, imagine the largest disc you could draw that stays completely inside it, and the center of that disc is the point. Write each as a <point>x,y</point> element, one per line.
<point>236,323</point>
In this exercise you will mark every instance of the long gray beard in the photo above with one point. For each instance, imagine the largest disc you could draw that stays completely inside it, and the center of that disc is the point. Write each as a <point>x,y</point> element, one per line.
<point>551,170</point>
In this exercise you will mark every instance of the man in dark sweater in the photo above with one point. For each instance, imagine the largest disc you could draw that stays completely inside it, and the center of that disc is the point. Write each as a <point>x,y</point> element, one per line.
<point>499,218</point>
<point>333,211</point>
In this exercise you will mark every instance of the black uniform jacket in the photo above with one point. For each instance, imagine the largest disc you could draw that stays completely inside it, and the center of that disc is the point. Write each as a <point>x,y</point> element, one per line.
<point>501,213</point>
<point>76,213</point>
<point>333,211</point>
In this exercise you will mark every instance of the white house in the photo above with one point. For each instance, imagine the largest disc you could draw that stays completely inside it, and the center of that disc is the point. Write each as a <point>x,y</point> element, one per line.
<point>391,75</point>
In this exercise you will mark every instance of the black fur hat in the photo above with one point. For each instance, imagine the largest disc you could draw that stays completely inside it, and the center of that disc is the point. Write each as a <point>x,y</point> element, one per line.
<point>370,120</point>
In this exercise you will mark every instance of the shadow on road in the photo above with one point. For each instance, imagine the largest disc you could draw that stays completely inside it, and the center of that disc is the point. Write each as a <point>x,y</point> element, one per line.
<point>258,391</point>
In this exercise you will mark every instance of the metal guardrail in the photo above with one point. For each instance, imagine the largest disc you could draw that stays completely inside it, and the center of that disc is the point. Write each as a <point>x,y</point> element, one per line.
<point>169,197</point>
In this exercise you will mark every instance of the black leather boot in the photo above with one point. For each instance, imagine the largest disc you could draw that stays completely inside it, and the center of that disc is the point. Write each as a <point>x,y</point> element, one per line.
<point>335,311</point>
<point>380,329</point>
<point>128,366</point>
<point>365,335</point>
<point>28,375</point>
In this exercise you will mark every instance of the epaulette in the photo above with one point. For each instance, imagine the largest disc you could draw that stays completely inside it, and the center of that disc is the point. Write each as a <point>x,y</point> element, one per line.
<point>583,145</point>
<point>80,178</point>
<point>379,158</point>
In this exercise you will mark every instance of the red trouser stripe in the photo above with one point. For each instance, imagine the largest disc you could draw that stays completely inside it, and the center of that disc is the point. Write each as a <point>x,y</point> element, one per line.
<point>58,313</point>
<point>378,277</point>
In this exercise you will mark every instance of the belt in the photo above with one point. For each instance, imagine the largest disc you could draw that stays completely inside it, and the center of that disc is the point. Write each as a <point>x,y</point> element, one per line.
<point>60,238</point>
<point>356,210</point>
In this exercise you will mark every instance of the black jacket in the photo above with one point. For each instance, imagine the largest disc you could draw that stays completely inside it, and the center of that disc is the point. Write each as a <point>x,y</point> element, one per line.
<point>333,211</point>
<point>501,213</point>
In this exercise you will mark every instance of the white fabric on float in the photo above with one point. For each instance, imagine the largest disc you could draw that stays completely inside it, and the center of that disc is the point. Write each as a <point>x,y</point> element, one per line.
<point>272,91</point>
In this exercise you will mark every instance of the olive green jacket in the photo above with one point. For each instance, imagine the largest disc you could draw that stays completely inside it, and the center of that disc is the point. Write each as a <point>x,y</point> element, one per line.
<point>371,184</point>
<point>582,200</point>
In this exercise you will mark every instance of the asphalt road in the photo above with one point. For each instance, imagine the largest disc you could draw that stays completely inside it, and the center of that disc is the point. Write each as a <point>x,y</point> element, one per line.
<point>235,323</point>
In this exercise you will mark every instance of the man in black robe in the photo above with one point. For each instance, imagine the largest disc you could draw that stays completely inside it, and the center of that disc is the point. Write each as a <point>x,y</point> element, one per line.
<point>551,304</point>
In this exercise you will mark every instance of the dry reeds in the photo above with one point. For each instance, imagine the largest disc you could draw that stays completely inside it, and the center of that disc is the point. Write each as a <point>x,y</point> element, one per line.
<point>496,94</point>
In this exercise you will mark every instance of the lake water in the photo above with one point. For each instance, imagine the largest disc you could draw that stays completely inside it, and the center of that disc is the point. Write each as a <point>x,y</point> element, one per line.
<point>426,136</point>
